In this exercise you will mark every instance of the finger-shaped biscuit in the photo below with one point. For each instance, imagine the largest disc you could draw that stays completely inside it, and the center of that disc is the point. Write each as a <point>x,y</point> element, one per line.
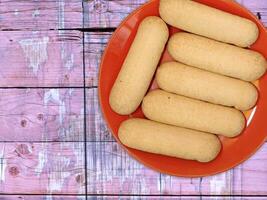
<point>217,57</point>
<point>206,86</point>
<point>181,111</point>
<point>209,22</point>
<point>154,137</point>
<point>139,66</point>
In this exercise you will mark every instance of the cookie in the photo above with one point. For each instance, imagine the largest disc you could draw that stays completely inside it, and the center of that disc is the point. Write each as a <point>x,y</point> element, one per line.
<point>181,111</point>
<point>139,66</point>
<point>158,138</point>
<point>210,22</point>
<point>217,57</point>
<point>206,86</point>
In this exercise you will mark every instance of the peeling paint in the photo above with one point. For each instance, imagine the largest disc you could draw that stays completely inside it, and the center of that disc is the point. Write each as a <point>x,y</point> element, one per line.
<point>16,12</point>
<point>35,51</point>
<point>218,184</point>
<point>61,14</point>
<point>59,174</point>
<point>70,62</point>
<point>42,159</point>
<point>36,13</point>
<point>62,112</point>
<point>71,90</point>
<point>68,58</point>
<point>3,165</point>
<point>51,95</point>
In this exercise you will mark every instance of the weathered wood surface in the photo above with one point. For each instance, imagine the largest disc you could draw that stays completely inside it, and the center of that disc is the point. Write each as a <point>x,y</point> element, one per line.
<point>111,171</point>
<point>32,120</point>
<point>105,13</point>
<point>42,168</point>
<point>95,43</point>
<point>40,14</point>
<point>46,197</point>
<point>41,58</point>
<point>97,129</point>
<point>41,115</point>
<point>119,197</point>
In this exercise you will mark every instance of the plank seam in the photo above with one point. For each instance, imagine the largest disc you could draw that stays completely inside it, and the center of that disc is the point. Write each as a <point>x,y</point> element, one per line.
<point>129,195</point>
<point>85,111</point>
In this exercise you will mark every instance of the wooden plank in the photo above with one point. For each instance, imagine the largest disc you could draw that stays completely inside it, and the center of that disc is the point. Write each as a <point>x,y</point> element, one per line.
<point>41,115</point>
<point>97,129</point>
<point>250,178</point>
<point>40,15</point>
<point>105,13</point>
<point>95,44</point>
<point>257,6</point>
<point>95,197</point>
<point>44,197</point>
<point>42,168</point>
<point>111,171</point>
<point>254,174</point>
<point>41,58</point>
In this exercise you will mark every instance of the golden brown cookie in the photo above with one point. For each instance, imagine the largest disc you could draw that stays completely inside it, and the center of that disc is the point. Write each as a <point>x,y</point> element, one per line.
<point>206,86</point>
<point>203,20</point>
<point>217,57</point>
<point>177,110</point>
<point>158,138</point>
<point>139,66</point>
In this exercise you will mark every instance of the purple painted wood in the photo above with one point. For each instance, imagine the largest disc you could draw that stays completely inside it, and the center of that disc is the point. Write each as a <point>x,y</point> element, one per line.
<point>102,197</point>
<point>112,171</point>
<point>41,115</point>
<point>97,129</point>
<point>42,168</point>
<point>42,197</point>
<point>95,44</point>
<point>256,6</point>
<point>52,58</point>
<point>46,58</point>
<point>40,15</point>
<point>105,13</point>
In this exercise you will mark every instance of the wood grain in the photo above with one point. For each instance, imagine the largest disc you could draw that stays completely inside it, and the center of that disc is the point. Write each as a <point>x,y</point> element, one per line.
<point>41,59</point>
<point>45,197</point>
<point>105,13</point>
<point>41,115</point>
<point>97,129</point>
<point>40,15</point>
<point>52,58</point>
<point>112,171</point>
<point>257,6</point>
<point>42,168</point>
<point>116,197</point>
<point>94,45</point>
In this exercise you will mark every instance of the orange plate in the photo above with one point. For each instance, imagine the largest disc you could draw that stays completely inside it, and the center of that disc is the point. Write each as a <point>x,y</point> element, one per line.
<point>234,150</point>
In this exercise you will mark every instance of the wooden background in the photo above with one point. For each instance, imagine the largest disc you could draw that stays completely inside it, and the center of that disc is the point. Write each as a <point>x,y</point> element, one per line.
<point>53,137</point>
